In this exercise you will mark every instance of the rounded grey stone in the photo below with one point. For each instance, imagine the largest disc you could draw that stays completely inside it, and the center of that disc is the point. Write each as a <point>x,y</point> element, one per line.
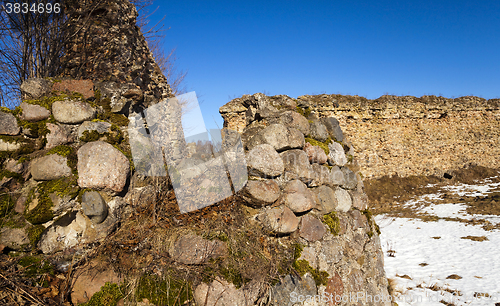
<point>70,111</point>
<point>318,131</point>
<point>264,161</point>
<point>8,124</point>
<point>50,167</point>
<point>94,206</point>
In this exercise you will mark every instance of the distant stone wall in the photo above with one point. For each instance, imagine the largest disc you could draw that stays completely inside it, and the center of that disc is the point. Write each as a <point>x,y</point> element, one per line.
<point>407,135</point>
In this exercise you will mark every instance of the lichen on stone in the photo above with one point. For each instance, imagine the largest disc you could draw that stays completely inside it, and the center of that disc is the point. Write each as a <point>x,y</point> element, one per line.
<point>322,145</point>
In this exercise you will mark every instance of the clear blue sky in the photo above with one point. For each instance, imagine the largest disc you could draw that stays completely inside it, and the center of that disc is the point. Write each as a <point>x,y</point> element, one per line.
<point>366,48</point>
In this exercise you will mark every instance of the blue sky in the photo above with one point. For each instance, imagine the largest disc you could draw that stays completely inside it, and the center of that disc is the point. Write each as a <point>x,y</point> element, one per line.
<point>366,48</point>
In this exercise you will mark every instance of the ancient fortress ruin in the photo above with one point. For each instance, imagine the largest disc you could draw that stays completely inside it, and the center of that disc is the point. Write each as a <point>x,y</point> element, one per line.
<point>298,231</point>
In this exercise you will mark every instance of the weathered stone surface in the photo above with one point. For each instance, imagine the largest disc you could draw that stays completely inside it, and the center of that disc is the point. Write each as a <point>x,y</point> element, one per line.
<point>278,136</point>
<point>359,200</point>
<point>264,161</point>
<point>84,87</point>
<point>318,131</point>
<point>297,197</point>
<point>191,249</point>
<point>9,146</point>
<point>321,175</point>
<point>293,119</point>
<point>311,229</point>
<point>325,199</point>
<point>337,155</point>
<point>260,193</point>
<point>94,206</point>
<point>59,135</point>
<point>90,281</point>
<point>281,293</point>
<point>344,201</point>
<point>315,154</point>
<point>100,127</point>
<point>350,179</point>
<point>333,127</point>
<point>14,238</point>
<point>35,88</point>
<point>222,293</point>
<point>335,289</point>
<point>337,176</point>
<point>72,111</point>
<point>101,166</point>
<point>331,252</point>
<point>50,167</point>
<point>8,124</point>
<point>280,220</point>
<point>33,112</point>
<point>13,166</point>
<point>74,229</point>
<point>297,166</point>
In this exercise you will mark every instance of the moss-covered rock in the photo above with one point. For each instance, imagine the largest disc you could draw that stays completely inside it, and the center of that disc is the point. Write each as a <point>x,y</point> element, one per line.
<point>109,295</point>
<point>167,291</point>
<point>322,145</point>
<point>333,222</point>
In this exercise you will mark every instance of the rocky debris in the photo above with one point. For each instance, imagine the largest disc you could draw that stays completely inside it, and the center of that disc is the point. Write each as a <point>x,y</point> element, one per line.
<point>8,124</point>
<point>100,127</point>
<point>59,135</point>
<point>282,293</point>
<point>278,136</point>
<point>102,166</point>
<point>297,197</point>
<point>14,238</point>
<point>13,165</point>
<point>297,166</point>
<point>32,112</point>
<point>350,179</point>
<point>311,229</point>
<point>337,176</point>
<point>333,127</point>
<point>293,119</point>
<point>221,293</point>
<point>94,206</point>
<point>191,249</point>
<point>325,199</point>
<point>318,131</point>
<point>336,157</point>
<point>264,161</point>
<point>280,220</point>
<point>50,167</point>
<point>260,193</point>
<point>72,111</point>
<point>344,201</point>
<point>74,229</point>
<point>9,146</point>
<point>35,88</point>
<point>315,154</point>
<point>84,87</point>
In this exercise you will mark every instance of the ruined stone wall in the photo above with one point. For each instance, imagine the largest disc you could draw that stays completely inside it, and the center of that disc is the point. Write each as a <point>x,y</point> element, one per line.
<point>408,135</point>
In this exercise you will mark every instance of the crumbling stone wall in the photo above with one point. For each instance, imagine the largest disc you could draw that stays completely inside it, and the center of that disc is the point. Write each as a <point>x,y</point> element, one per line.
<point>406,135</point>
<point>106,45</point>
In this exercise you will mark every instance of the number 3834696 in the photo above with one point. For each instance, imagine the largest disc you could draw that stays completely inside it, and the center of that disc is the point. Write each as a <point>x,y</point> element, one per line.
<point>34,8</point>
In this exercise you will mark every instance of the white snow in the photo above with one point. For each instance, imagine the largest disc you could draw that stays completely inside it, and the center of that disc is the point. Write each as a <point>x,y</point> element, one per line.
<point>477,262</point>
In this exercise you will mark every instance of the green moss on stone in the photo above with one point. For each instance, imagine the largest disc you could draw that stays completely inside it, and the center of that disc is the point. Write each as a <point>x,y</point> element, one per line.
<point>322,145</point>
<point>69,153</point>
<point>35,233</point>
<point>42,213</point>
<point>304,112</point>
<point>302,267</point>
<point>333,222</point>
<point>35,267</point>
<point>163,291</point>
<point>109,295</point>
<point>16,111</point>
<point>47,101</point>
<point>6,204</point>
<point>8,174</point>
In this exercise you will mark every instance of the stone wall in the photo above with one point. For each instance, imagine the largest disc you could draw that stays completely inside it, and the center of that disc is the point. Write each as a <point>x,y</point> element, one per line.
<point>406,135</point>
